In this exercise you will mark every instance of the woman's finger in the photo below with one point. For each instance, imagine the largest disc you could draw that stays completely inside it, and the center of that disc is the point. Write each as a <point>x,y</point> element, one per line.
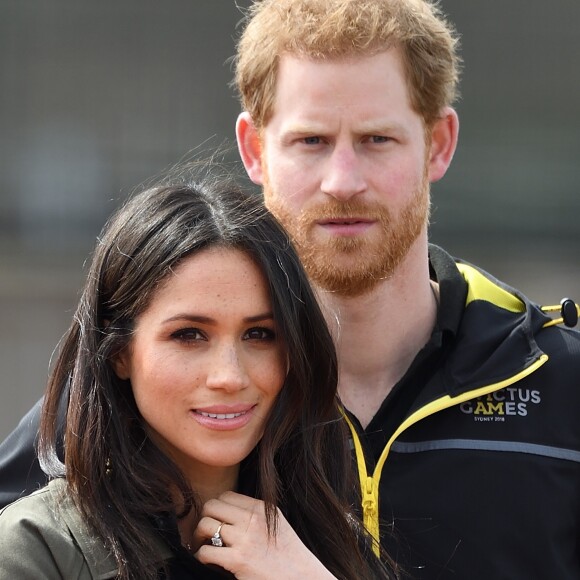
<point>234,509</point>
<point>206,528</point>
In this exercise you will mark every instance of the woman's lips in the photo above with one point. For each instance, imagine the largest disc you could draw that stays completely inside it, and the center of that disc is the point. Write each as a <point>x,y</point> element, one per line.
<point>224,417</point>
<point>221,415</point>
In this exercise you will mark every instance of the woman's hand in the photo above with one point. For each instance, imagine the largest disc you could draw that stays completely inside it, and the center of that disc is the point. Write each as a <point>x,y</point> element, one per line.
<point>248,552</point>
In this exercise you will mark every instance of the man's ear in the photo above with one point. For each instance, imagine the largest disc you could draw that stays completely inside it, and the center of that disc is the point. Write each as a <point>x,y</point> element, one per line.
<point>444,135</point>
<point>121,364</point>
<point>250,147</point>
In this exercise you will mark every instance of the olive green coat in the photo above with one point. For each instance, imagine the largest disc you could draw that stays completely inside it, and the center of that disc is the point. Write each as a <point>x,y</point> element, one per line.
<point>43,536</point>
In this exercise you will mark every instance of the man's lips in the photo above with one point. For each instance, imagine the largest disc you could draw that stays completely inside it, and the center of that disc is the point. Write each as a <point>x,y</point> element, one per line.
<point>345,226</point>
<point>344,221</point>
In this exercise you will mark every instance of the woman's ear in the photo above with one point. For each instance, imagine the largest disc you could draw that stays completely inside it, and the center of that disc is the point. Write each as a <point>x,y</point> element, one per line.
<point>121,364</point>
<point>250,147</point>
<point>444,135</point>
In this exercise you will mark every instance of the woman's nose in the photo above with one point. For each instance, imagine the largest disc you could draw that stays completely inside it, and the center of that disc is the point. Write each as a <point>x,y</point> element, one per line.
<point>227,370</point>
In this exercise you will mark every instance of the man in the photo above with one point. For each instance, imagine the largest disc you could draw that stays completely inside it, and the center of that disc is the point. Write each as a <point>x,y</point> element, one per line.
<point>459,392</point>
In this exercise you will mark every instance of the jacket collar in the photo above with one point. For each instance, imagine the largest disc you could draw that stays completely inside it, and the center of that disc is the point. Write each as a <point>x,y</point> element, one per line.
<point>494,325</point>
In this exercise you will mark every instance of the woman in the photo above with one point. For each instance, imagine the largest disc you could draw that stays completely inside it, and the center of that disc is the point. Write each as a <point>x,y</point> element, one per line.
<point>200,376</point>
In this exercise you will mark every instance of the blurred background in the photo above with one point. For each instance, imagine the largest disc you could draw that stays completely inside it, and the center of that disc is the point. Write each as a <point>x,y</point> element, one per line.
<point>97,97</point>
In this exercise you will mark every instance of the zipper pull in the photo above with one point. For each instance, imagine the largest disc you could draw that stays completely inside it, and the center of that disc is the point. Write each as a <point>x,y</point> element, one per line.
<point>370,505</point>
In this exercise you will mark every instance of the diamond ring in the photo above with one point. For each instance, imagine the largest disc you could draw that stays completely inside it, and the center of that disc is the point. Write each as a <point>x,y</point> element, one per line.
<point>216,539</point>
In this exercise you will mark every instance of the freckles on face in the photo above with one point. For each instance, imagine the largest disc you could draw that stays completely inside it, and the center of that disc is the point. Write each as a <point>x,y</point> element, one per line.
<point>206,362</point>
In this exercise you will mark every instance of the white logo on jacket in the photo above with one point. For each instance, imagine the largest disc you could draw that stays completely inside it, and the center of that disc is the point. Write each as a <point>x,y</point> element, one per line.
<point>511,401</point>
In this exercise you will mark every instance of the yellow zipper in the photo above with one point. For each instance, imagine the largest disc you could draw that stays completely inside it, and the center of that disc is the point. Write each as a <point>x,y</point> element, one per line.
<point>370,484</point>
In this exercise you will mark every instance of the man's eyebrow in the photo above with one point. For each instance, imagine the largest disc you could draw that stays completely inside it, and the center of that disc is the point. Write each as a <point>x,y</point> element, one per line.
<point>302,129</point>
<point>380,127</point>
<point>364,128</point>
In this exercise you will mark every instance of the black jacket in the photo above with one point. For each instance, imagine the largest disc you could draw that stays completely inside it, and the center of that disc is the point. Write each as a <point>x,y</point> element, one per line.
<point>474,457</point>
<point>473,460</point>
<point>20,473</point>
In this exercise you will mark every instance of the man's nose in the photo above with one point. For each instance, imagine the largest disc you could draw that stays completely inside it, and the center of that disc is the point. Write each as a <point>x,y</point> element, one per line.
<point>343,174</point>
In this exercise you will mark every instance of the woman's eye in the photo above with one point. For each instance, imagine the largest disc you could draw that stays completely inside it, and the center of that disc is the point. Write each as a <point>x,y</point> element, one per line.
<point>188,334</point>
<point>260,333</point>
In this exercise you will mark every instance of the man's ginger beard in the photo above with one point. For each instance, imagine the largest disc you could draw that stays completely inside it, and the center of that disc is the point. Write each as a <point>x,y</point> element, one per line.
<point>352,266</point>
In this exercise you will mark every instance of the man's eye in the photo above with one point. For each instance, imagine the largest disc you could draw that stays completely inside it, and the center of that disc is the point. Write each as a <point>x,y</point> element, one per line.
<point>379,139</point>
<point>188,334</point>
<point>260,333</point>
<point>312,140</point>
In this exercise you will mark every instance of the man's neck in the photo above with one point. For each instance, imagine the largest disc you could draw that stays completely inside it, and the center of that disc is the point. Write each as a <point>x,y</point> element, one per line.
<point>379,334</point>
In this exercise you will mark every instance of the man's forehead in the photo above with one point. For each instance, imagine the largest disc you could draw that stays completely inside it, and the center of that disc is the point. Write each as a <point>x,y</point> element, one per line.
<point>367,84</point>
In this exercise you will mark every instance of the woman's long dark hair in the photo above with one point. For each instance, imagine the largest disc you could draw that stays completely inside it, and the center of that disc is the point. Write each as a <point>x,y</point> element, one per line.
<point>117,477</point>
